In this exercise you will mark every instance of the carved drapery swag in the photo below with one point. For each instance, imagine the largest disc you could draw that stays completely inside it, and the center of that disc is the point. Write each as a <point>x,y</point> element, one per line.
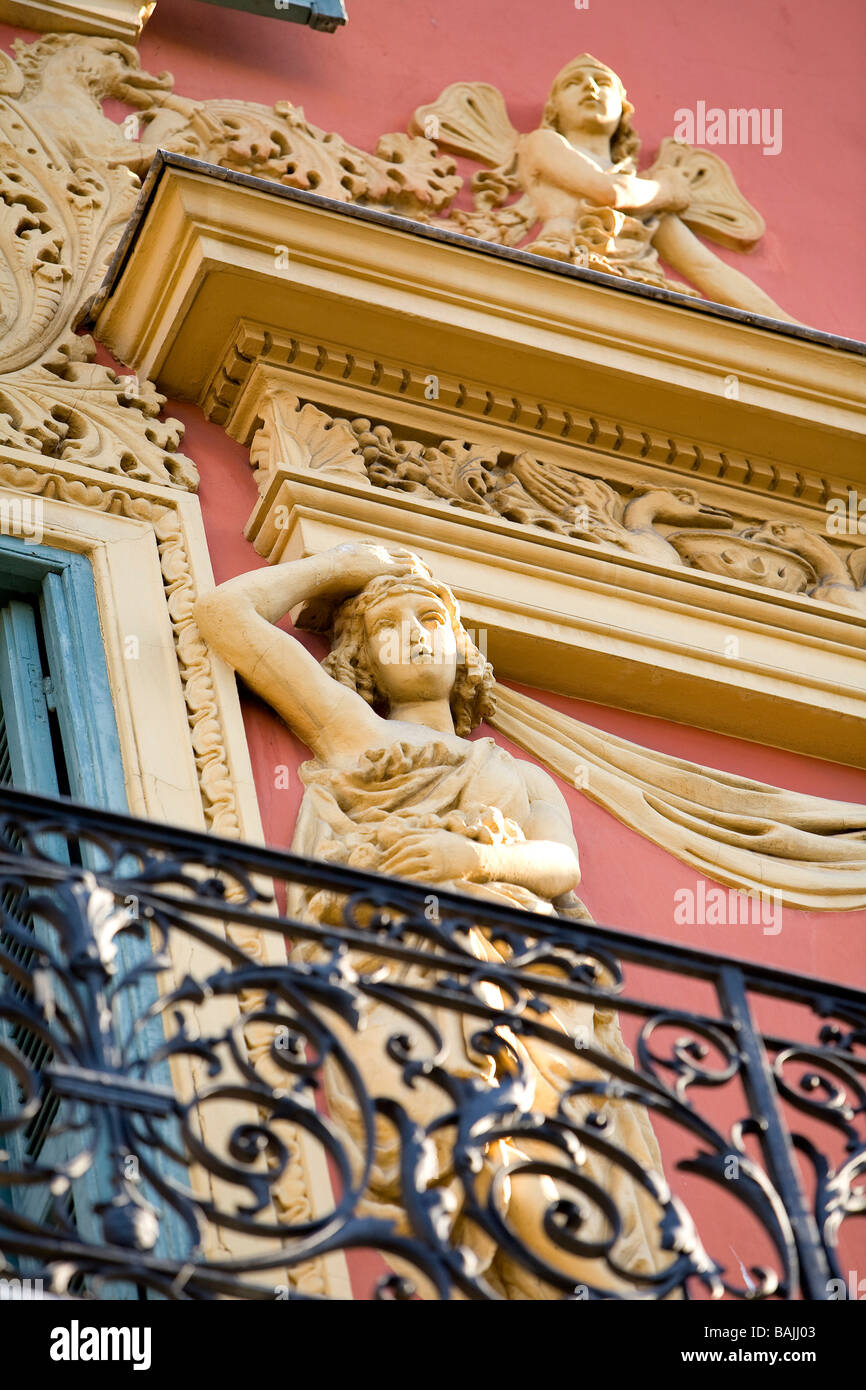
<point>808,850</point>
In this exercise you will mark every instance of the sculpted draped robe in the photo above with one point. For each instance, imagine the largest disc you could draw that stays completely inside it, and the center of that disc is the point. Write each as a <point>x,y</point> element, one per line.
<point>352,816</point>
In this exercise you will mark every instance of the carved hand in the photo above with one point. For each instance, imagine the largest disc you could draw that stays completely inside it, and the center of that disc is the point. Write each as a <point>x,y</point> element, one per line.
<point>673,193</point>
<point>355,563</point>
<point>433,855</point>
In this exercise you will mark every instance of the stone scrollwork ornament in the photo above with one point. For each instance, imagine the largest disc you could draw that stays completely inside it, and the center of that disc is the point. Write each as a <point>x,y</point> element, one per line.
<point>67,188</point>
<point>69,180</point>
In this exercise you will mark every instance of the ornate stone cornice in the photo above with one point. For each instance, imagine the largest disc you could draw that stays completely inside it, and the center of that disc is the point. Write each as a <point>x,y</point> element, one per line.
<point>259,361</point>
<point>293,320</point>
<point>507,329</point>
<point>621,507</point>
<point>115,19</point>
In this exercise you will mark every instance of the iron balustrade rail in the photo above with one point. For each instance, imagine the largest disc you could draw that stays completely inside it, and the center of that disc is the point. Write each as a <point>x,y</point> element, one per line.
<point>169,1070</point>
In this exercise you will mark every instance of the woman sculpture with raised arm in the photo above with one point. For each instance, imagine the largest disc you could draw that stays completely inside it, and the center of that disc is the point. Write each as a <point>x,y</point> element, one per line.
<point>405,793</point>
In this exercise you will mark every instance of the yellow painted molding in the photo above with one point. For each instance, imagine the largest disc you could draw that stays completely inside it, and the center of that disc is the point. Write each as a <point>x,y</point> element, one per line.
<point>557,615</point>
<point>370,289</point>
<point>116,19</point>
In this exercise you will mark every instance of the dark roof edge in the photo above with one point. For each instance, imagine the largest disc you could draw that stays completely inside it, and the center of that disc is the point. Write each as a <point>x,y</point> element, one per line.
<point>166,159</point>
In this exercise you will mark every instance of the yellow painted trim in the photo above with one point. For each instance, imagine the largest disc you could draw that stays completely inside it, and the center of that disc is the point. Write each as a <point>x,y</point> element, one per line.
<point>117,19</point>
<point>240,255</point>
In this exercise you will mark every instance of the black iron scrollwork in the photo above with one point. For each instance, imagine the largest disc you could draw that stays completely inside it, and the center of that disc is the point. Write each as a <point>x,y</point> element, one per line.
<point>164,1081</point>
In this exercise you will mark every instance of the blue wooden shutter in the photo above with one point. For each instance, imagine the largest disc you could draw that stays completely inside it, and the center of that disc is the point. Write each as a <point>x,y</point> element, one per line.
<point>58,736</point>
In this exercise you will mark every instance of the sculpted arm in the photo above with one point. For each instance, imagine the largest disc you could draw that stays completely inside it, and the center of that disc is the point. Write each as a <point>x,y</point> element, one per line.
<point>237,620</point>
<point>547,158</point>
<point>546,862</point>
<point>679,246</point>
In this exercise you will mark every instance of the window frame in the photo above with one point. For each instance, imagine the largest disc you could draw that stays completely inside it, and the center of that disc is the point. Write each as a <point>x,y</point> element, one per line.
<point>62,584</point>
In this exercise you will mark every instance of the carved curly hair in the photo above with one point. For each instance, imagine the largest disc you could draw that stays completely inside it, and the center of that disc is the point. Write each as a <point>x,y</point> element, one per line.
<point>472,694</point>
<point>625,143</point>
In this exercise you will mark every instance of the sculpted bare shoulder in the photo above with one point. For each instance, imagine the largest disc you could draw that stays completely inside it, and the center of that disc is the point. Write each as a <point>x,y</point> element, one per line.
<point>549,813</point>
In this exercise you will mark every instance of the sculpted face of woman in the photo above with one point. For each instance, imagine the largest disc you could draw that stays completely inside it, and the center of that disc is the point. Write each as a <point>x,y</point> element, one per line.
<point>411,647</point>
<point>589,99</point>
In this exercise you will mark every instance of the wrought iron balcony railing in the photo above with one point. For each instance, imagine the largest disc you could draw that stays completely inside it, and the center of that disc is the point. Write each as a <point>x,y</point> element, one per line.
<point>169,1071</point>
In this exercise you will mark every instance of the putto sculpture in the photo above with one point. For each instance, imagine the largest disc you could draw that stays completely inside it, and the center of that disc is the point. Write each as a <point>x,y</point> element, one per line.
<point>580,196</point>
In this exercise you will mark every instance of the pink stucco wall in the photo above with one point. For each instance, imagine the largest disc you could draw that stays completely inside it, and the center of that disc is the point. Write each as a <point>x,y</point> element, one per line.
<point>393,56</point>
<point>365,81</point>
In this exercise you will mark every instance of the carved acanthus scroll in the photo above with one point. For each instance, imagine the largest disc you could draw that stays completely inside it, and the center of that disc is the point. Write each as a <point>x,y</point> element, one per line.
<point>667,525</point>
<point>67,188</point>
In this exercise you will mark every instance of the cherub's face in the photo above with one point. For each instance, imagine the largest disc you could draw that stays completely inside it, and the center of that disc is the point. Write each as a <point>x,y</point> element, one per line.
<point>589,100</point>
<point>411,647</point>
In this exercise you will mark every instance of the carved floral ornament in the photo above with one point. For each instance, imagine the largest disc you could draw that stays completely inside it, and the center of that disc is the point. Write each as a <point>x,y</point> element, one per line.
<point>662,524</point>
<point>68,184</point>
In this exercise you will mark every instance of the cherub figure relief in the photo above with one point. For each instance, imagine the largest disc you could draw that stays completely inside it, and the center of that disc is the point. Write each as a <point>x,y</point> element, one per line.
<point>581,197</point>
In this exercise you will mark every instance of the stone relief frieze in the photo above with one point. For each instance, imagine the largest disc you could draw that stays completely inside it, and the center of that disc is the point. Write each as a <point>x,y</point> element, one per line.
<point>70,178</point>
<point>666,525</point>
<point>571,190</point>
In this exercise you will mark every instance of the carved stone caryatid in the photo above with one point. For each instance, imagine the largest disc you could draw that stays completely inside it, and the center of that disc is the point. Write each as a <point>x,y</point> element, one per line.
<point>409,795</point>
<point>576,180</point>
